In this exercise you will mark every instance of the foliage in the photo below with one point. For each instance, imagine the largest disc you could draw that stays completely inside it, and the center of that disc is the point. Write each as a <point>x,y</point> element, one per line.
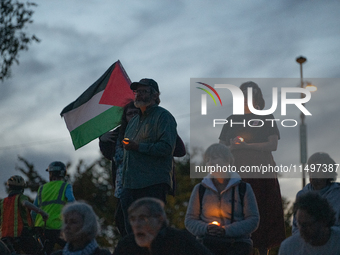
<point>288,214</point>
<point>34,179</point>
<point>94,185</point>
<point>13,20</point>
<point>177,205</point>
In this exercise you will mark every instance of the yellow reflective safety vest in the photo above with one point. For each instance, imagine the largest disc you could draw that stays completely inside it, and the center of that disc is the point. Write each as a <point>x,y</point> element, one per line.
<point>51,199</point>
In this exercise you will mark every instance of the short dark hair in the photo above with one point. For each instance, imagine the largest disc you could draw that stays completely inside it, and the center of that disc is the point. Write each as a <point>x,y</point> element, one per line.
<point>316,206</point>
<point>219,150</point>
<point>323,158</point>
<point>257,93</point>
<point>124,122</point>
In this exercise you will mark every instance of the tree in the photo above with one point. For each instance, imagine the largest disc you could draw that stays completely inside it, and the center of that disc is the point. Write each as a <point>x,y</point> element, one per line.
<point>94,185</point>
<point>34,179</point>
<point>176,206</point>
<point>288,214</point>
<point>13,20</point>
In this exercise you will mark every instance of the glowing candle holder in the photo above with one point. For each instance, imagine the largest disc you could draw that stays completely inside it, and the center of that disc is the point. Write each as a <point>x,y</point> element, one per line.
<point>241,140</point>
<point>216,223</point>
<point>126,141</point>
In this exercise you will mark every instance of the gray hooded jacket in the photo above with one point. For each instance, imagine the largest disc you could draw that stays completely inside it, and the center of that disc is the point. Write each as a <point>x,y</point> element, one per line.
<point>217,207</point>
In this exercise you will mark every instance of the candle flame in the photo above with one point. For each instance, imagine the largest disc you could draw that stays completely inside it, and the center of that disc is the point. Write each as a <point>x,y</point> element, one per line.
<point>240,139</point>
<point>216,223</point>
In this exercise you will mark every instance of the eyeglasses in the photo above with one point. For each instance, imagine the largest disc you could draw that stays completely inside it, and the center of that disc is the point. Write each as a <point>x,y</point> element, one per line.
<point>141,91</point>
<point>142,219</point>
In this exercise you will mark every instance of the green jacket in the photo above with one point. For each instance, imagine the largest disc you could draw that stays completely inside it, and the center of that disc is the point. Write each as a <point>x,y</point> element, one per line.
<point>155,132</point>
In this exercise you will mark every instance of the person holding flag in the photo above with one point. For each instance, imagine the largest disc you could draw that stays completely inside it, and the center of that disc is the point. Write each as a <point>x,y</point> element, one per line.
<point>150,140</point>
<point>151,136</point>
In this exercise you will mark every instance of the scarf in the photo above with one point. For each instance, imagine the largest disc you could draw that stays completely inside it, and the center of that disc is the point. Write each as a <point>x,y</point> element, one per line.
<point>88,250</point>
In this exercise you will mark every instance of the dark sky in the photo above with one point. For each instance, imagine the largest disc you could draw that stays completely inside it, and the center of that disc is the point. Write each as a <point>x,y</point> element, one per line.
<point>171,42</point>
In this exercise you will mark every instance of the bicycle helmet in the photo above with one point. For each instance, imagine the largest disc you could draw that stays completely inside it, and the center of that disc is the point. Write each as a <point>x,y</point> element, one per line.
<point>57,168</point>
<point>16,180</point>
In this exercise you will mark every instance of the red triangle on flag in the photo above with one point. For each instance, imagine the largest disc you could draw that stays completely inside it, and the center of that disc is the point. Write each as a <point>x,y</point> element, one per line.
<point>117,91</point>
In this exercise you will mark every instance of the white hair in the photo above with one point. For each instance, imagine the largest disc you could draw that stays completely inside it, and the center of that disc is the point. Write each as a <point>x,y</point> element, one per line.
<point>91,226</point>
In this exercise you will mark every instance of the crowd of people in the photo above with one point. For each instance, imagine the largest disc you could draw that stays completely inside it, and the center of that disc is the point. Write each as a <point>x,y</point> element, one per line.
<point>227,213</point>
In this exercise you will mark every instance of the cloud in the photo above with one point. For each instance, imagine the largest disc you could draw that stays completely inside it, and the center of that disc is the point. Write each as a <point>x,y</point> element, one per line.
<point>170,41</point>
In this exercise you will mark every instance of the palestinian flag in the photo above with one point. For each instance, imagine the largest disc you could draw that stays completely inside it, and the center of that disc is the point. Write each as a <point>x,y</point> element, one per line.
<point>100,108</point>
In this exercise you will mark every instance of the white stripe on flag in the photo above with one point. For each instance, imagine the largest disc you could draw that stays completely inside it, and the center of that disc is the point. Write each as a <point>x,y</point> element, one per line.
<point>85,112</point>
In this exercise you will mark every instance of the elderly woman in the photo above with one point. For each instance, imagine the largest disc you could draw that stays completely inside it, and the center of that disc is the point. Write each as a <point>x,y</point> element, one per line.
<point>80,229</point>
<point>322,176</point>
<point>151,234</point>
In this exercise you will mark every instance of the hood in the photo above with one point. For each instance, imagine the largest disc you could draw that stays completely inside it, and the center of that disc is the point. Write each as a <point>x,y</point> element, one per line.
<point>234,180</point>
<point>328,189</point>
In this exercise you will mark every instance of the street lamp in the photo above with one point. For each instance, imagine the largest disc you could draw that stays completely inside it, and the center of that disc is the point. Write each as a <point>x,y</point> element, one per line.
<point>311,87</point>
<point>303,129</point>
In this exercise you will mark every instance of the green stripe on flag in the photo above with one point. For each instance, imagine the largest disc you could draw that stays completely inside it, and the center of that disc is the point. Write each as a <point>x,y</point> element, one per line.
<point>97,126</point>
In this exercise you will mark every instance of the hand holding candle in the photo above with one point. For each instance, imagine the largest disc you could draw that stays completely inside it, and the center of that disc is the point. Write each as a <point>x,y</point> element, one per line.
<point>215,229</point>
<point>238,143</point>
<point>216,223</point>
<point>239,140</point>
<point>130,144</point>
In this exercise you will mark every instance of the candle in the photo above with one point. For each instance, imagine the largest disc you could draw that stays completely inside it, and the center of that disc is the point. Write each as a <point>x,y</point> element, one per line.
<point>126,141</point>
<point>216,223</point>
<point>240,139</point>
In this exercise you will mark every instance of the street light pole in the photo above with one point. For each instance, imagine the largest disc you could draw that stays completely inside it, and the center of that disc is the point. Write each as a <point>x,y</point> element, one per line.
<point>303,129</point>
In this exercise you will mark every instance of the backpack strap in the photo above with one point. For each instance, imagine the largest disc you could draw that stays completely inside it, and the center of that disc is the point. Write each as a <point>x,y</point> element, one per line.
<point>242,190</point>
<point>232,204</point>
<point>201,190</point>
<point>242,186</point>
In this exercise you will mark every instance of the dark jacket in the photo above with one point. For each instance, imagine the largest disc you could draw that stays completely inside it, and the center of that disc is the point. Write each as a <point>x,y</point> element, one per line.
<point>169,241</point>
<point>155,133</point>
<point>98,251</point>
